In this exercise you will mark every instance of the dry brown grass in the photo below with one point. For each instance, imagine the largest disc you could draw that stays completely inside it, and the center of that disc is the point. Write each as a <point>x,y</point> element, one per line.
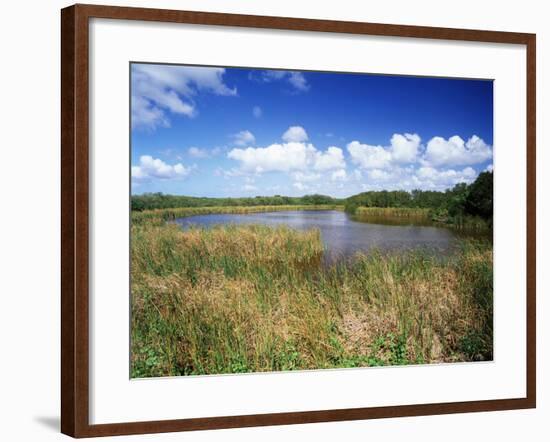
<point>253,298</point>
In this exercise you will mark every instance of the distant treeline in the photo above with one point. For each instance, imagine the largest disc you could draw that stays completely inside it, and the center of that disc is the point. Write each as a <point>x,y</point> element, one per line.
<point>474,199</point>
<point>149,201</point>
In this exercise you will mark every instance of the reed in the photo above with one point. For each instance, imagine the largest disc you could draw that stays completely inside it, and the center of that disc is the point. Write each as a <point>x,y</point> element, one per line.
<point>393,212</point>
<point>234,299</point>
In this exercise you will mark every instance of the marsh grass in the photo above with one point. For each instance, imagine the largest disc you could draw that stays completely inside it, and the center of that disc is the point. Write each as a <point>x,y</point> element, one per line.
<point>393,212</point>
<point>404,215</point>
<point>235,299</point>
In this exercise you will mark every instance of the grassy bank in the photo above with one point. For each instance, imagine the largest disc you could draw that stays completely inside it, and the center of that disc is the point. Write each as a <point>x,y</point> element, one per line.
<point>158,216</point>
<point>399,215</point>
<point>254,298</point>
<point>393,212</point>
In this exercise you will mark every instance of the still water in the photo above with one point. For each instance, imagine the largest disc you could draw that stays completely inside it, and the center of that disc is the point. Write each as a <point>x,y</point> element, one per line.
<point>342,235</point>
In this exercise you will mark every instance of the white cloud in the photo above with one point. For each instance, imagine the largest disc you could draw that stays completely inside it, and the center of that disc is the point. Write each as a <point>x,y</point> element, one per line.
<point>379,175</point>
<point>277,157</point>
<point>333,158</point>
<point>244,138</point>
<point>404,148</point>
<point>147,115</point>
<point>231,173</point>
<point>249,187</point>
<point>410,177</point>
<point>151,168</point>
<point>296,79</point>
<point>295,133</point>
<point>407,149</point>
<point>369,157</point>
<point>339,175</point>
<point>401,165</point>
<point>306,177</point>
<point>197,152</point>
<point>429,177</point>
<point>301,160</point>
<point>300,186</point>
<point>257,111</point>
<point>489,168</point>
<point>293,155</point>
<point>158,89</point>
<point>456,152</point>
<point>269,76</point>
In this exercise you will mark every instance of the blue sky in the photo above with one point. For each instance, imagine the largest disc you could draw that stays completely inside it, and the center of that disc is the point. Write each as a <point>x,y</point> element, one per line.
<point>231,132</point>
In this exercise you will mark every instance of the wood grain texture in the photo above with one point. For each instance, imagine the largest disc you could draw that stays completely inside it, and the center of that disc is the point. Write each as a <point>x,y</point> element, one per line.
<point>68,343</point>
<point>75,219</point>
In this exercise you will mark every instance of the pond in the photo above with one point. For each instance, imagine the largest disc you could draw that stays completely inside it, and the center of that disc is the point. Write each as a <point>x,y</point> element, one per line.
<point>342,235</point>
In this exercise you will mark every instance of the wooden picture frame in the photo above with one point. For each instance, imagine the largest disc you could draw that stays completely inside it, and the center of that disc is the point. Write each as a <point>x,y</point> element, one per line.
<point>75,220</point>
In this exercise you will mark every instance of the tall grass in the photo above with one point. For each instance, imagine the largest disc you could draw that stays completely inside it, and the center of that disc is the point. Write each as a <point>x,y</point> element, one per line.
<point>235,299</point>
<point>419,216</point>
<point>393,212</point>
<point>393,215</point>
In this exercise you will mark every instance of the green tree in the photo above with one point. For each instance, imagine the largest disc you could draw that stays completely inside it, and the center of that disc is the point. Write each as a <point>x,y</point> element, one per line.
<point>479,201</point>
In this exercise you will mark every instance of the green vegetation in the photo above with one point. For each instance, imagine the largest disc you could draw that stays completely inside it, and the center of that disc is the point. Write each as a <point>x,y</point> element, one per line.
<point>394,215</point>
<point>158,216</point>
<point>235,299</point>
<point>393,212</point>
<point>150,201</point>
<point>464,206</point>
<point>468,207</point>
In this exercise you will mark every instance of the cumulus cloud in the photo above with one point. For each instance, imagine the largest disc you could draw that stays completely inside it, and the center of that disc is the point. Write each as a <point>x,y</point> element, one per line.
<point>333,158</point>
<point>244,138</point>
<point>433,178</point>
<point>294,78</point>
<point>158,90</point>
<point>379,175</point>
<point>403,148</point>
<point>407,149</point>
<point>257,111</point>
<point>291,156</point>
<point>295,133</point>
<point>368,156</point>
<point>151,168</point>
<point>400,165</point>
<point>456,152</point>
<point>411,177</point>
<point>339,175</point>
<point>276,157</point>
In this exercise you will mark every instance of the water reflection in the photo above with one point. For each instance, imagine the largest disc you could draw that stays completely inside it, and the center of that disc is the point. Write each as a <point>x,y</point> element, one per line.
<point>343,235</point>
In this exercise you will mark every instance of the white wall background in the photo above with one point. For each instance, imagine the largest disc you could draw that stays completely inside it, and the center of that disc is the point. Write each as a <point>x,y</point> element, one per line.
<point>29,219</point>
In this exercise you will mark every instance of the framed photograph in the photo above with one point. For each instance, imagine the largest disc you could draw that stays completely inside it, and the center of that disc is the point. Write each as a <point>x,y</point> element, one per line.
<point>272,221</point>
